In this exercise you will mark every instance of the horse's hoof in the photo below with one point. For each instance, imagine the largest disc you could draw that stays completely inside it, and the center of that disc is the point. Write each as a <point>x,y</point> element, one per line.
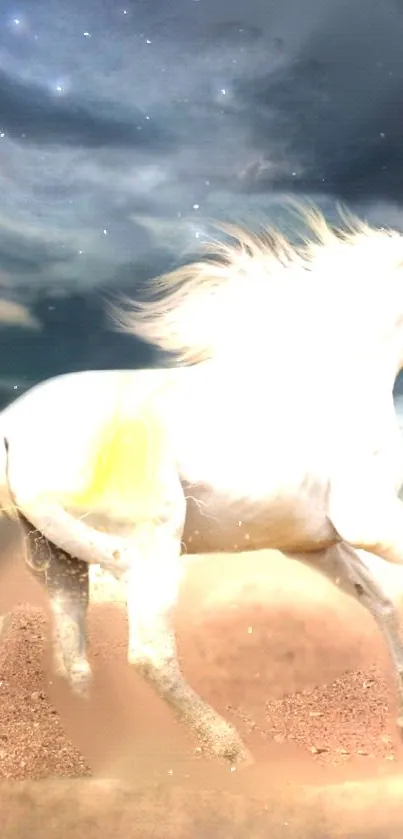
<point>243,760</point>
<point>80,679</point>
<point>235,759</point>
<point>5,623</point>
<point>59,669</point>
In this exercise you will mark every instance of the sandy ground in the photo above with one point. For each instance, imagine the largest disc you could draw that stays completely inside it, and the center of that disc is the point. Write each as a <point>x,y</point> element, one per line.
<point>297,665</point>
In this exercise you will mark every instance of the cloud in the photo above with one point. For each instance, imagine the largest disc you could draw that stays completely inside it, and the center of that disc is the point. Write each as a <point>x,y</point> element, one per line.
<point>38,114</point>
<point>15,314</point>
<point>329,118</point>
<point>124,130</point>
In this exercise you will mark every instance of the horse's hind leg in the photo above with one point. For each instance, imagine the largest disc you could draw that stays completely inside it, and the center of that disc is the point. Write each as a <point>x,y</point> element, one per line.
<point>152,589</point>
<point>367,590</point>
<point>67,584</point>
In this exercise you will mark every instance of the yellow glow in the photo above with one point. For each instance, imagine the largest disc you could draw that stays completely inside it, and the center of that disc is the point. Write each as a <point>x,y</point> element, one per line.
<point>124,469</point>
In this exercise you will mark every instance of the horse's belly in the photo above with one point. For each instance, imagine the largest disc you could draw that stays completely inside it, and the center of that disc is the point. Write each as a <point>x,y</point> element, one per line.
<point>287,523</point>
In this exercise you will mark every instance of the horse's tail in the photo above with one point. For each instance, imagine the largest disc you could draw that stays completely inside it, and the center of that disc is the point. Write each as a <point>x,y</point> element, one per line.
<point>6,504</point>
<point>14,552</point>
<point>7,507</point>
<point>10,527</point>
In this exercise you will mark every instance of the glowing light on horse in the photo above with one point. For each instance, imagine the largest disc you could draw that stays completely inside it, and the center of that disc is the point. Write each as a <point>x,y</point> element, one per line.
<point>278,431</point>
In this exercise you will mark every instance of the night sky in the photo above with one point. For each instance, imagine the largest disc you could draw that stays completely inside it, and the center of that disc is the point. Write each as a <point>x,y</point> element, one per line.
<point>125,127</point>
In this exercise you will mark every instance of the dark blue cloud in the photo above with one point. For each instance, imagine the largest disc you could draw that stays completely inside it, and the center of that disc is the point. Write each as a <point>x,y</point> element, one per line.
<point>35,113</point>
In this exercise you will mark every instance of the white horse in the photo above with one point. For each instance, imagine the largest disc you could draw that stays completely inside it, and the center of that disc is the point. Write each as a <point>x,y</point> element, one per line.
<point>278,431</point>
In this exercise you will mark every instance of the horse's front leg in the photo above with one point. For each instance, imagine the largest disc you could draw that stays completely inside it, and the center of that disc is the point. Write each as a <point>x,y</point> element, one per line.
<point>66,580</point>
<point>358,579</point>
<point>152,590</point>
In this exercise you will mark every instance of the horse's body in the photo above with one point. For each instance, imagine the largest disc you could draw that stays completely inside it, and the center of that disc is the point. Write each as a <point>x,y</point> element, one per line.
<point>133,470</point>
<point>127,428</point>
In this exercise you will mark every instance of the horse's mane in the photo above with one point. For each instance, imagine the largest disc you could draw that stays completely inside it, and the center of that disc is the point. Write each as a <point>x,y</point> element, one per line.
<point>202,309</point>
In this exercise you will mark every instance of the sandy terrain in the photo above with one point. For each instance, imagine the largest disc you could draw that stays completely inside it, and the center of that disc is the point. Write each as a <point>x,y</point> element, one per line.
<point>274,646</point>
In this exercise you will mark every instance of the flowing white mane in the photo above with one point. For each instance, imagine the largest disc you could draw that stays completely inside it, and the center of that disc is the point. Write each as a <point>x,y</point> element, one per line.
<point>236,292</point>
